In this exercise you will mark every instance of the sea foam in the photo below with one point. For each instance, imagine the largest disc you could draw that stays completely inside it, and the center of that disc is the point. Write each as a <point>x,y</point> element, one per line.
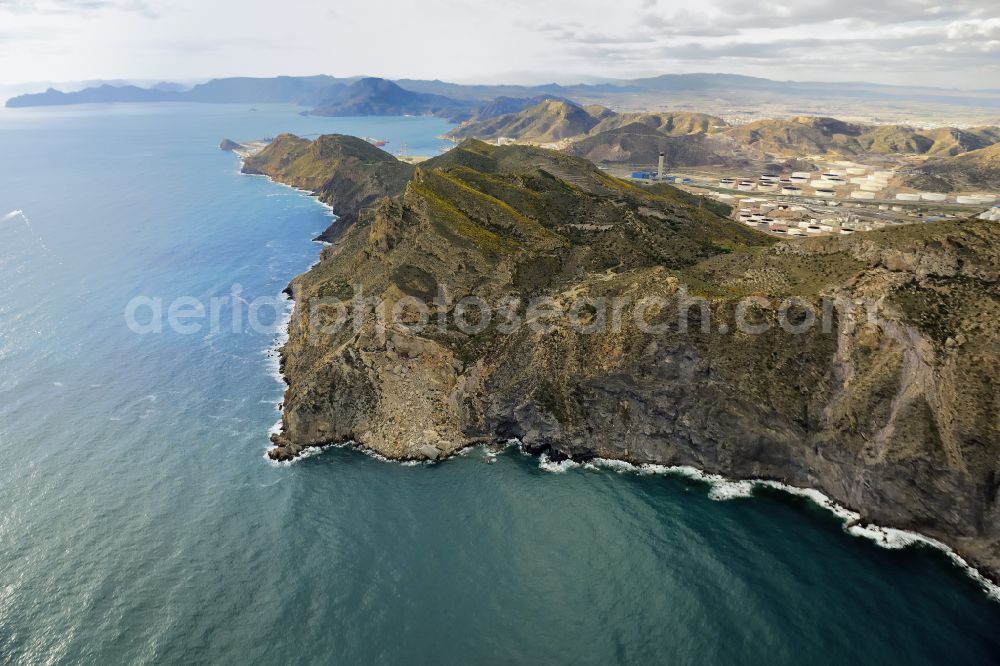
<point>723,489</point>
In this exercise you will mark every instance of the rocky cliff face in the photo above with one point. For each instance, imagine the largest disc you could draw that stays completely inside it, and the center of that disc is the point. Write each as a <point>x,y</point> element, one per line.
<point>888,402</point>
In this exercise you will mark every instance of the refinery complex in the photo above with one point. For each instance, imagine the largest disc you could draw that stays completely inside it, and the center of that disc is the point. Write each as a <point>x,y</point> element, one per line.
<point>839,197</point>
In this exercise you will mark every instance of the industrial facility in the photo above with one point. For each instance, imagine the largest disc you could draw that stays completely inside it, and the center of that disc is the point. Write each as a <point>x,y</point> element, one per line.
<point>837,198</point>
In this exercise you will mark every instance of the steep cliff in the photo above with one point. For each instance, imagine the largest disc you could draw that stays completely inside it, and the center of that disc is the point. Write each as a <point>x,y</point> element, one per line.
<point>887,402</point>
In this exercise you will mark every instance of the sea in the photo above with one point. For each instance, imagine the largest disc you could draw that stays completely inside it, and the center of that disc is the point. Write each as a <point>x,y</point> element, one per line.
<point>140,522</point>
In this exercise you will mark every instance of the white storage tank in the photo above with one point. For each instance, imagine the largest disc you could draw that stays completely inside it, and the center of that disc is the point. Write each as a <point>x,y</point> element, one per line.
<point>866,196</point>
<point>801,174</point>
<point>825,193</point>
<point>745,187</point>
<point>903,196</point>
<point>791,190</point>
<point>872,187</point>
<point>933,196</point>
<point>969,201</point>
<point>856,171</point>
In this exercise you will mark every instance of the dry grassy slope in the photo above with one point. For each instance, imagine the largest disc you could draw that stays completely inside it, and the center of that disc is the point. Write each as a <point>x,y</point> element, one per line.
<point>976,170</point>
<point>679,123</point>
<point>553,120</point>
<point>639,144</point>
<point>817,135</point>
<point>894,416</point>
<point>547,121</point>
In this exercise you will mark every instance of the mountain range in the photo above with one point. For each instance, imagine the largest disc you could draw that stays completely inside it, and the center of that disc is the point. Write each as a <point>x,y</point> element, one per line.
<point>310,90</point>
<point>691,139</point>
<point>379,97</point>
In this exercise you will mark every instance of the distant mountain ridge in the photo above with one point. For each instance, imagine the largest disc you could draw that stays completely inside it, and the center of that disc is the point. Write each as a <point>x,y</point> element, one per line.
<point>236,90</point>
<point>554,120</point>
<point>304,89</point>
<point>379,97</point>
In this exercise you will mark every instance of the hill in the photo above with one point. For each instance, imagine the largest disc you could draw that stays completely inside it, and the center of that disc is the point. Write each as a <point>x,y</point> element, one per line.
<point>379,97</point>
<point>677,123</point>
<point>554,120</point>
<point>545,122</point>
<point>640,144</point>
<point>817,135</point>
<point>890,412</point>
<point>345,172</point>
<point>503,105</point>
<point>976,170</point>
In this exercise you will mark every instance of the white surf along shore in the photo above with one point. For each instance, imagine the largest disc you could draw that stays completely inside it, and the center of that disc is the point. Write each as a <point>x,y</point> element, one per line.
<point>273,352</point>
<point>722,489</point>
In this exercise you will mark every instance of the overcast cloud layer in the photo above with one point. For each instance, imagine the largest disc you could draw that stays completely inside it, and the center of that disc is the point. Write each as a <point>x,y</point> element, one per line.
<point>928,42</point>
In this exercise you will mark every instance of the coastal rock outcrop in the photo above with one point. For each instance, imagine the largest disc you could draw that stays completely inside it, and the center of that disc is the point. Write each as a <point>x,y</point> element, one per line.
<point>589,317</point>
<point>344,172</point>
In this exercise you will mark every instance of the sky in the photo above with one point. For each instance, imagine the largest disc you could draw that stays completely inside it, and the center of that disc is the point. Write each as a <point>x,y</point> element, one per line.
<point>949,43</point>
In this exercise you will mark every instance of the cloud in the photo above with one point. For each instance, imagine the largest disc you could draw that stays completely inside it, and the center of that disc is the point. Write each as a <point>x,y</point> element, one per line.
<point>77,7</point>
<point>941,42</point>
<point>836,36</point>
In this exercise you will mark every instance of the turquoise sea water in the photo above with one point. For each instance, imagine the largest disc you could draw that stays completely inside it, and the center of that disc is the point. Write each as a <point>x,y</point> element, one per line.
<point>140,523</point>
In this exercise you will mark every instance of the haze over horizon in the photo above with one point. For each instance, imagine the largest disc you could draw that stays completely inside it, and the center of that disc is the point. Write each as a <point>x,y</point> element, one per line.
<point>904,42</point>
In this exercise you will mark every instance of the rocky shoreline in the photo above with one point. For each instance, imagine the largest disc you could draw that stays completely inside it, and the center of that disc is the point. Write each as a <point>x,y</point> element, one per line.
<point>890,412</point>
